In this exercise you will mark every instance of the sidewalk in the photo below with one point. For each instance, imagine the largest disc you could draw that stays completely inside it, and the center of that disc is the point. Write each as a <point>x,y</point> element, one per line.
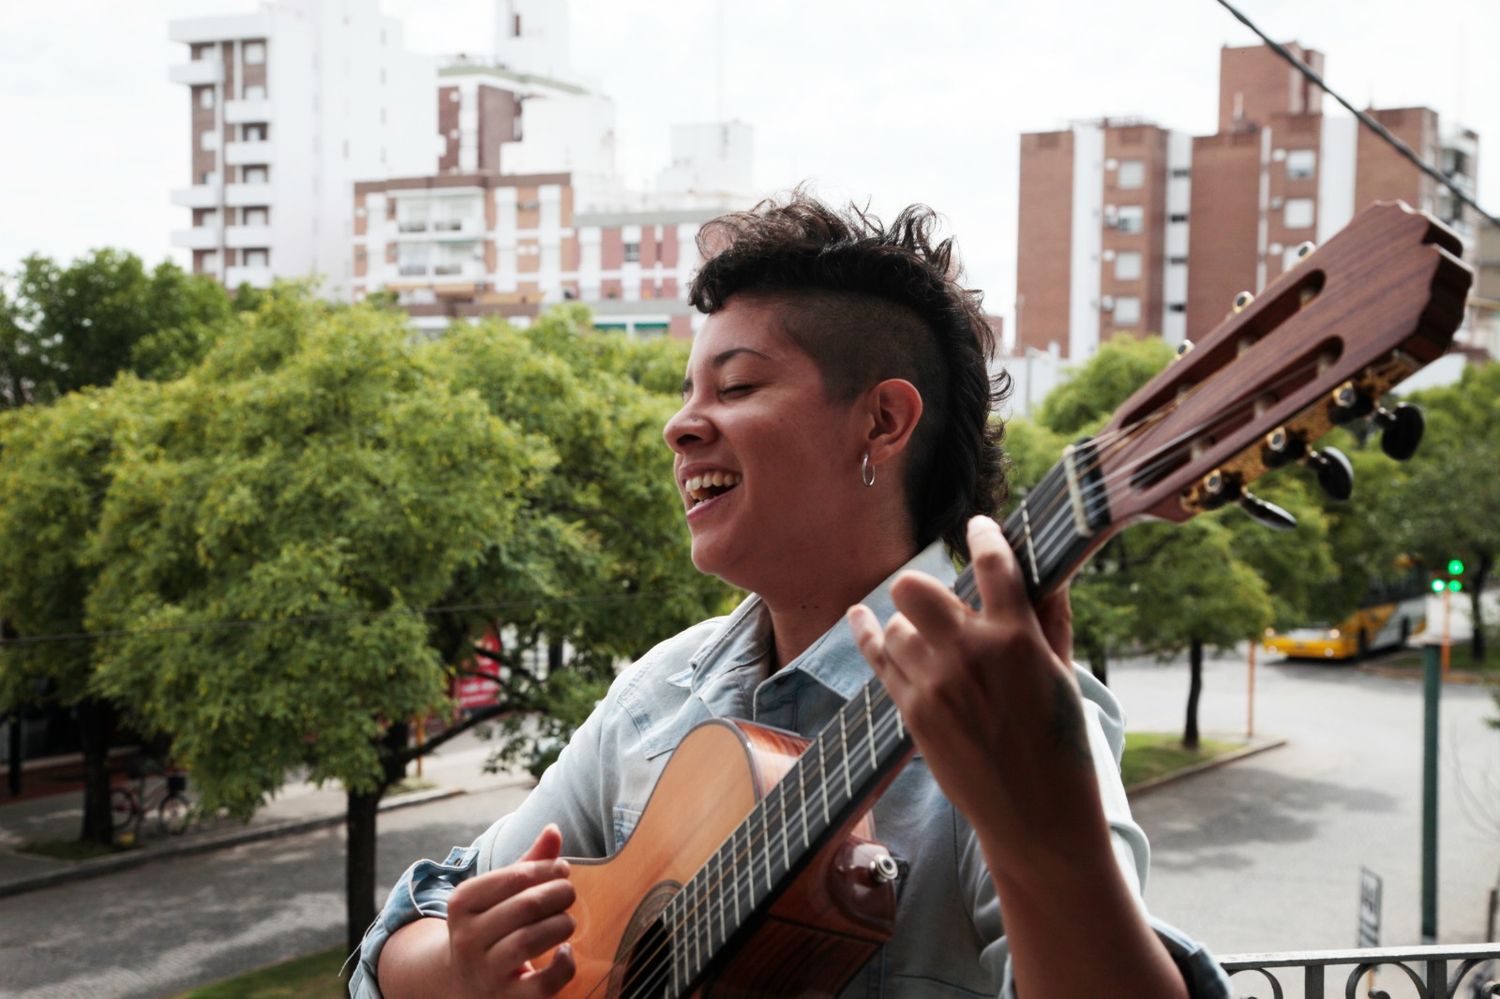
<point>456,769</point>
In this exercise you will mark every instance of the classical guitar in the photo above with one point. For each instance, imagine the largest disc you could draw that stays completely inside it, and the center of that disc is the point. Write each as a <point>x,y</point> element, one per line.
<point>753,872</point>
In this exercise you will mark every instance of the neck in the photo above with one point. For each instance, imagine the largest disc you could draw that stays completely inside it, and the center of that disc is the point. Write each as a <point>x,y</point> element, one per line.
<point>803,610</point>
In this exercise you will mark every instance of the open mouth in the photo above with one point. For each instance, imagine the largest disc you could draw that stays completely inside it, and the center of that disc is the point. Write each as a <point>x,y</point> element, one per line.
<point>702,488</point>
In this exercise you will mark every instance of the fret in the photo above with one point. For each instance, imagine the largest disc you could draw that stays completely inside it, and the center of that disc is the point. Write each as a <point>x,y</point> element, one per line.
<point>802,796</point>
<point>870,732</point>
<point>822,779</point>
<point>844,758</point>
<point>786,835</point>
<point>734,871</point>
<point>671,920</point>
<point>719,895</point>
<point>765,838</point>
<point>1036,577</point>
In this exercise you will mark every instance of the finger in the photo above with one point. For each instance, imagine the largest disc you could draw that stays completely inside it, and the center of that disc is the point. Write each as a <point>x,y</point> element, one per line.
<point>869,636</point>
<point>906,648</point>
<point>513,919</point>
<point>996,570</point>
<point>547,845</point>
<point>934,609</point>
<point>519,950</point>
<point>1055,612</point>
<point>550,980</point>
<point>480,894</point>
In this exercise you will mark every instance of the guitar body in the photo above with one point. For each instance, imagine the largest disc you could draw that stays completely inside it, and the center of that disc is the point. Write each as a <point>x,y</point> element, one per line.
<point>813,938</point>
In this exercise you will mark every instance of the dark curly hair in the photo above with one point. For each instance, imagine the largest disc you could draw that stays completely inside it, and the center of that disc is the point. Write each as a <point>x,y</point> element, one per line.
<point>875,302</point>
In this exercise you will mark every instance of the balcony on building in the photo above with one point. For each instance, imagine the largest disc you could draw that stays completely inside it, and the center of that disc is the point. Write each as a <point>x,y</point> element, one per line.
<point>255,277</point>
<point>240,236</point>
<point>240,195</point>
<point>203,237</point>
<point>243,152</point>
<point>197,196</point>
<point>196,30</point>
<point>245,112</point>
<point>197,72</point>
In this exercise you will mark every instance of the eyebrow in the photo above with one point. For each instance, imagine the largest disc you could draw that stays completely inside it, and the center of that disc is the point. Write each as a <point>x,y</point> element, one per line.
<point>722,358</point>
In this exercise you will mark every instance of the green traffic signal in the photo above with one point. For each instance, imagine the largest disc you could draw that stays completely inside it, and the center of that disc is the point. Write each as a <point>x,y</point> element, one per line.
<point>1454,586</point>
<point>1437,586</point>
<point>1455,567</point>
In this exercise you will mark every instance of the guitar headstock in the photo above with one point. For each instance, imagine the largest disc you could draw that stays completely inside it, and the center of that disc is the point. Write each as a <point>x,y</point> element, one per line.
<point>1319,347</point>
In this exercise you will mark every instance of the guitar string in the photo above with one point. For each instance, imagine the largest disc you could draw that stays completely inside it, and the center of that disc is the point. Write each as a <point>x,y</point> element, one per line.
<point>882,729</point>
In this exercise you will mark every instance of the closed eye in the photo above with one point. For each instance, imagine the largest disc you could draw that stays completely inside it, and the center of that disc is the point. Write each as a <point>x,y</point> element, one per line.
<point>740,389</point>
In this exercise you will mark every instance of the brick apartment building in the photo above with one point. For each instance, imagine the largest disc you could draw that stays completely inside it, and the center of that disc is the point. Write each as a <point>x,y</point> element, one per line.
<point>1126,227</point>
<point>289,105</point>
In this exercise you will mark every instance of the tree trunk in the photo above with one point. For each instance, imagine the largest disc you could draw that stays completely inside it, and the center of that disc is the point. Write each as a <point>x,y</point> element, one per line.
<point>360,815</point>
<point>1195,687</point>
<point>96,727</point>
<point>1476,603</point>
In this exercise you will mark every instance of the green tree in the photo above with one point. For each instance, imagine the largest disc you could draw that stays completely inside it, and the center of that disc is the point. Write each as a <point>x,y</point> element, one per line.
<point>1448,504</point>
<point>53,478</point>
<point>64,328</point>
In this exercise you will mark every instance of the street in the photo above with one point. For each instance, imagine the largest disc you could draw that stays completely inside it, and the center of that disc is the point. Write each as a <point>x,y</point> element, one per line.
<point>1260,855</point>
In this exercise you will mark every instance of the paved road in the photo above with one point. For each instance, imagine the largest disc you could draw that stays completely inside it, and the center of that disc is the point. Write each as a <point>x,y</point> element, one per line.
<point>166,927</point>
<point>1263,855</point>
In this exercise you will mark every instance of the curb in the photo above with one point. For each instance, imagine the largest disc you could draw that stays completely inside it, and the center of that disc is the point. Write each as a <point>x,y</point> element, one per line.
<point>1460,677</point>
<point>1197,768</point>
<point>84,869</point>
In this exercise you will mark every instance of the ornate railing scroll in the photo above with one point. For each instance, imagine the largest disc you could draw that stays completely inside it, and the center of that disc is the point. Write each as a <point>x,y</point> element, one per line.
<point>1441,972</point>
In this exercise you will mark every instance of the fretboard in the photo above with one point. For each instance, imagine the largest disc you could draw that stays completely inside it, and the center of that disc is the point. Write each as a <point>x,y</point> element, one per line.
<point>831,782</point>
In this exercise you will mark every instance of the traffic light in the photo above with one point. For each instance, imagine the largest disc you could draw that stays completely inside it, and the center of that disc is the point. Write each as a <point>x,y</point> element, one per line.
<point>1454,583</point>
<point>1455,567</point>
<point>1438,586</point>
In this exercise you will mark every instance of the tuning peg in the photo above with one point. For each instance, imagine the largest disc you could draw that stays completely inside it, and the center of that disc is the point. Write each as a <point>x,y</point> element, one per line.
<point>1242,302</point>
<point>1304,250</point>
<point>1266,514</point>
<point>1335,474</point>
<point>1281,448</point>
<point>1349,404</point>
<point>1401,430</point>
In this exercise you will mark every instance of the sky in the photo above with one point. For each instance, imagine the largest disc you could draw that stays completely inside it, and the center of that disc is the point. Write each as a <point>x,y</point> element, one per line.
<point>865,99</point>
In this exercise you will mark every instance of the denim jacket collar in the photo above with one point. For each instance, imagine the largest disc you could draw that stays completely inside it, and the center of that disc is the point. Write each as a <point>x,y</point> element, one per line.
<point>833,660</point>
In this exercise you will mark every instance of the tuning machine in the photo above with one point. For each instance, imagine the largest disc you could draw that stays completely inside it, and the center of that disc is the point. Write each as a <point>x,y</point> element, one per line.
<point>1266,514</point>
<point>1334,473</point>
<point>1400,430</point>
<point>1281,447</point>
<point>1348,403</point>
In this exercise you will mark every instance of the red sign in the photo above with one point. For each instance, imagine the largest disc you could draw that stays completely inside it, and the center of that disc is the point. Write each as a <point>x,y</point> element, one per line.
<point>480,691</point>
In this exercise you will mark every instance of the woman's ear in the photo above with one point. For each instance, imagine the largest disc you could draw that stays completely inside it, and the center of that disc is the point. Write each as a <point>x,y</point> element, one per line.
<point>894,407</point>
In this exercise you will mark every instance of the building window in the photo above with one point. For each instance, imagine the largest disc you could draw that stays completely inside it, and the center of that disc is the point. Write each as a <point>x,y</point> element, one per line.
<point>210,262</point>
<point>1301,164</point>
<point>1127,266</point>
<point>633,253</point>
<point>257,216</point>
<point>1130,218</point>
<point>1127,310</point>
<point>255,53</point>
<point>206,97</point>
<point>255,92</point>
<point>257,258</point>
<point>1132,174</point>
<point>253,133</point>
<point>254,175</point>
<point>1297,213</point>
<point>208,140</point>
<point>207,219</point>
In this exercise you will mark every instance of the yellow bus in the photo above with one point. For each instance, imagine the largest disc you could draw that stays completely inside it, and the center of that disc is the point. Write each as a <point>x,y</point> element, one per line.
<point>1391,612</point>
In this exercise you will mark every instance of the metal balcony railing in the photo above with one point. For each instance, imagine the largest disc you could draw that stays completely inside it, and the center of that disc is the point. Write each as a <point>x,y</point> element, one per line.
<point>1440,972</point>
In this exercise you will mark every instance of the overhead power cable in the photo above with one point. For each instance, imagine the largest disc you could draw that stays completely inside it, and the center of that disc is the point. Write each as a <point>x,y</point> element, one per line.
<point>1364,119</point>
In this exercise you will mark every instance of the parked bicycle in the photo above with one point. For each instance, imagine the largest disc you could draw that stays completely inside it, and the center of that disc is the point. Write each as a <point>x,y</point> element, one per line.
<point>129,803</point>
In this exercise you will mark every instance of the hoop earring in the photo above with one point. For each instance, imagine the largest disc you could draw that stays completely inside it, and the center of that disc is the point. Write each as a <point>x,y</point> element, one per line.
<point>866,471</point>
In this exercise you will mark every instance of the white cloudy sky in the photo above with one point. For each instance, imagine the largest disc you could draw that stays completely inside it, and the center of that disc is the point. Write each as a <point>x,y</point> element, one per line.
<point>882,99</point>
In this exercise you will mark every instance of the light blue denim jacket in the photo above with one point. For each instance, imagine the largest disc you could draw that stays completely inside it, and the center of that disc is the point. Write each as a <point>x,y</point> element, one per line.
<point>948,940</point>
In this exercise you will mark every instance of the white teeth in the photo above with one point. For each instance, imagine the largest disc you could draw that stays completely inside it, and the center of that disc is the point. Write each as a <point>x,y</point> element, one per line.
<point>696,485</point>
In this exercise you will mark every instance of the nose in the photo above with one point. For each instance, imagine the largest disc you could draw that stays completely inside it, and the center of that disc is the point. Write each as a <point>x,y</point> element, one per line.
<point>687,426</point>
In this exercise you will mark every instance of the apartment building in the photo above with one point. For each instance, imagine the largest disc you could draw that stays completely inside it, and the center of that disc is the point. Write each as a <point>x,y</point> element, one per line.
<point>1126,227</point>
<point>289,106</point>
<point>464,246</point>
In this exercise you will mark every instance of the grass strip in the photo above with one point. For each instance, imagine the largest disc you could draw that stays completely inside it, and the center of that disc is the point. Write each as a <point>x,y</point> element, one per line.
<point>313,977</point>
<point>1149,755</point>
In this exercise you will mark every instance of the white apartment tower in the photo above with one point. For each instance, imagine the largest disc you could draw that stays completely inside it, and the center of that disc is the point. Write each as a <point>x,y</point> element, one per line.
<point>290,106</point>
<point>531,37</point>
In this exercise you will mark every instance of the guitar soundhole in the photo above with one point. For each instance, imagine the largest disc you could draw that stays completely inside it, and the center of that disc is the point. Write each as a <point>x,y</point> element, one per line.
<point>648,970</point>
<point>643,964</point>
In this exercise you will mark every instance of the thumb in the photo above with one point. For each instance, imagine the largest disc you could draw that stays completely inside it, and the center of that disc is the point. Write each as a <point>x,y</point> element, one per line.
<point>547,846</point>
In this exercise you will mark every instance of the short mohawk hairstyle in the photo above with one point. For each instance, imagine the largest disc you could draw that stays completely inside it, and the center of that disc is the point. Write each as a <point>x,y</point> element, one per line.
<point>876,302</point>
